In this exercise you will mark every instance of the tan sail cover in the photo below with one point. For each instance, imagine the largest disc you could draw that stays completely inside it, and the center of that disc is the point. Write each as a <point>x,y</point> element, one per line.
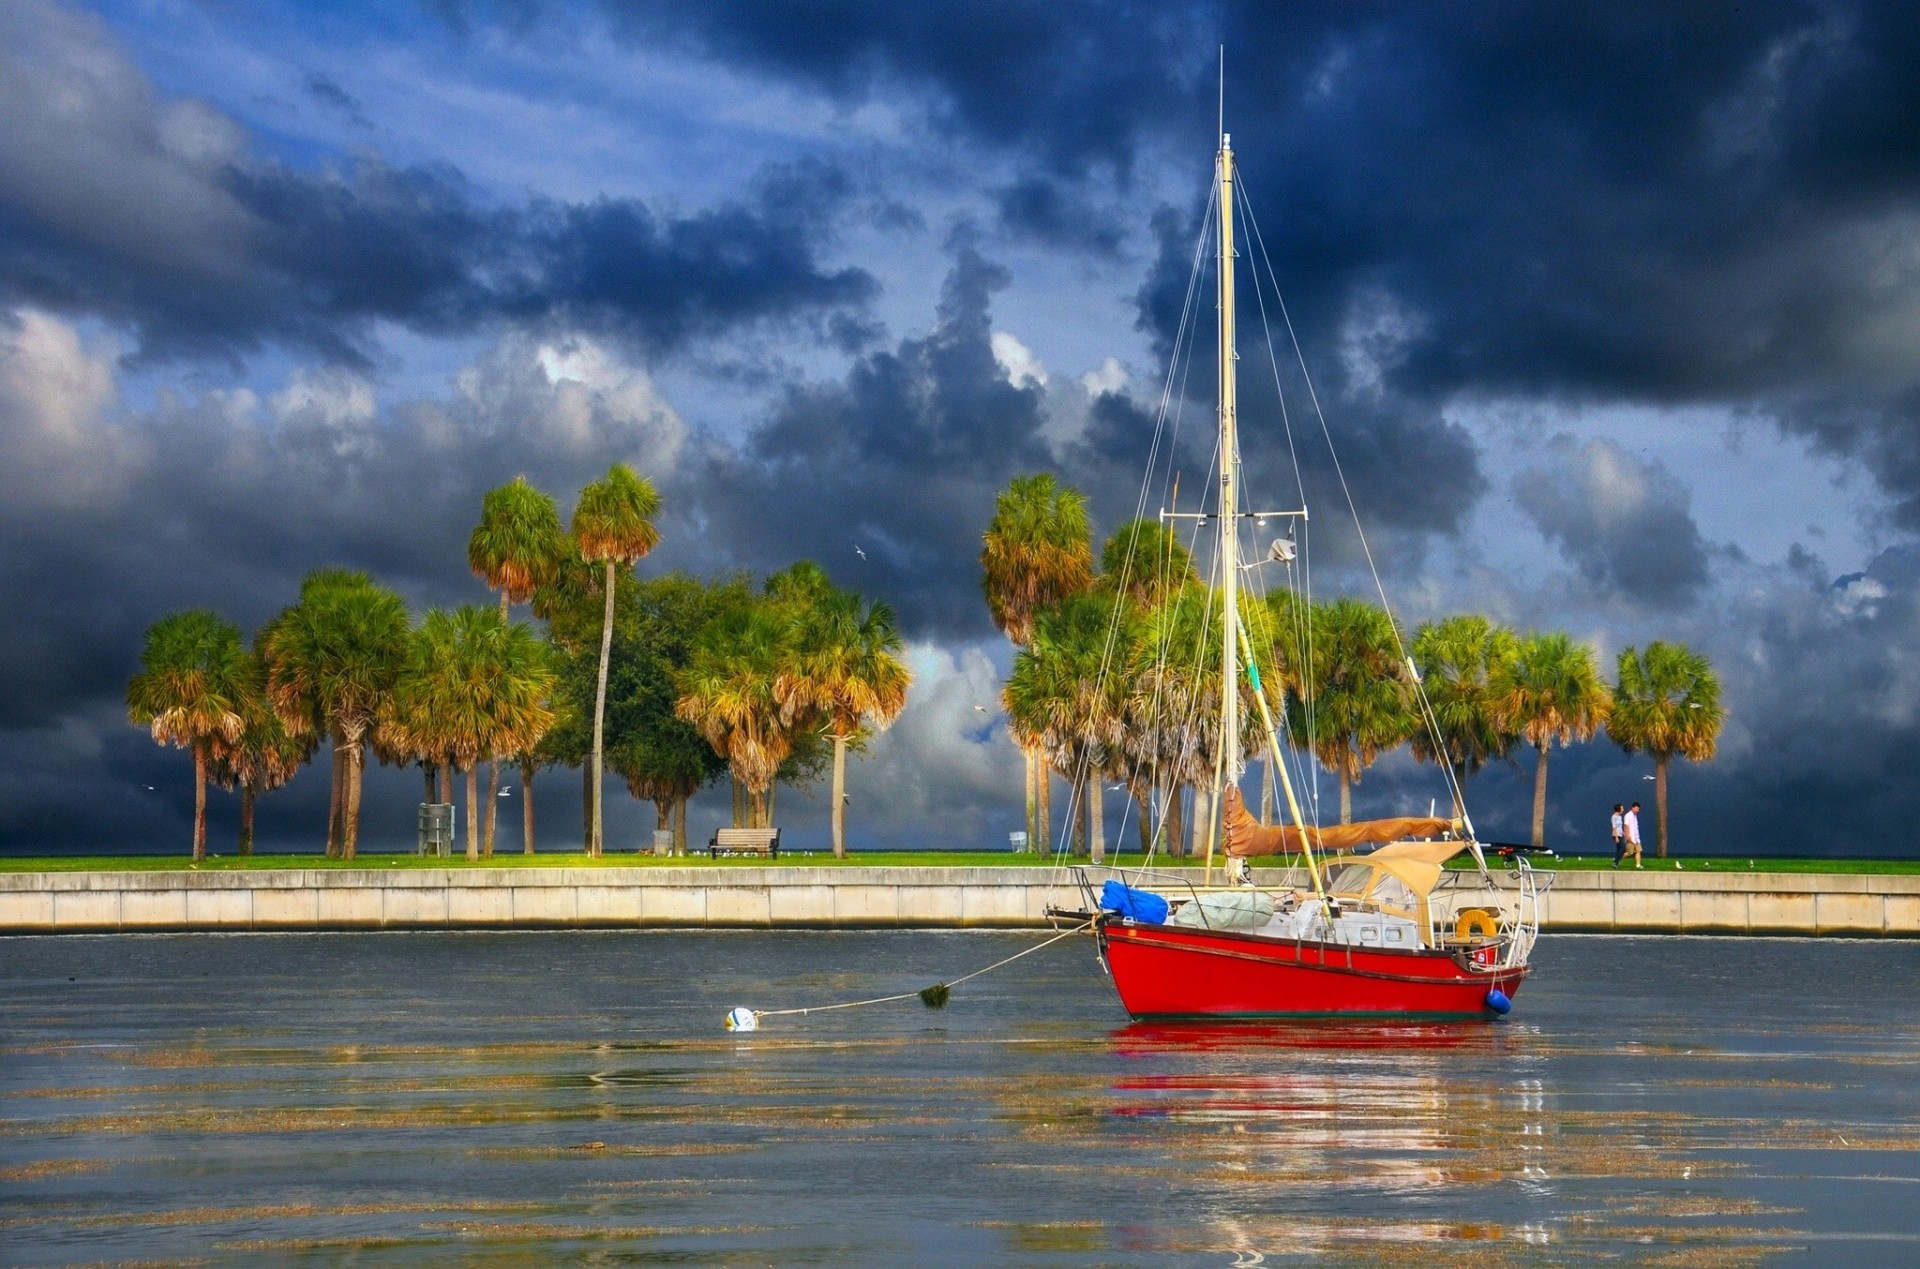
<point>1247,836</point>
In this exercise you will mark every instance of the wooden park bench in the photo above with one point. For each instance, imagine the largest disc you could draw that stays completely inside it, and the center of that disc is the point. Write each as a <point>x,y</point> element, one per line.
<point>745,841</point>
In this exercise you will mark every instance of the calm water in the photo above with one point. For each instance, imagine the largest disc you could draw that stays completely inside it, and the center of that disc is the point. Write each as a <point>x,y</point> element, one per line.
<point>521,1098</point>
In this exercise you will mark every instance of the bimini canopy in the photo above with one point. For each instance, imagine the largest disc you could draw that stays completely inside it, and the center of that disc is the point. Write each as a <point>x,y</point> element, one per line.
<point>1247,836</point>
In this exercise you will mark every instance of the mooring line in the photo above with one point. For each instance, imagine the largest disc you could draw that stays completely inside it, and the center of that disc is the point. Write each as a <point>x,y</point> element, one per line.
<point>934,997</point>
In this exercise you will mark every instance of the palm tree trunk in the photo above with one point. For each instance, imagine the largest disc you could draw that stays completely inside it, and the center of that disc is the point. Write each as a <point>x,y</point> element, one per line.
<point>473,811</point>
<point>840,796</point>
<point>199,803</point>
<point>335,800</point>
<point>1143,798</point>
<point>766,814</point>
<point>757,808</point>
<point>586,805</point>
<point>1096,819</point>
<point>1043,779</point>
<point>526,807</point>
<point>739,803</point>
<point>350,845</point>
<point>1033,801</point>
<point>426,769</point>
<point>1346,797</point>
<point>493,808</point>
<point>594,835</point>
<point>1660,763</point>
<point>1540,799</point>
<point>1176,822</point>
<point>443,778</point>
<point>1266,789</point>
<point>1202,821</point>
<point>680,826</point>
<point>246,819</point>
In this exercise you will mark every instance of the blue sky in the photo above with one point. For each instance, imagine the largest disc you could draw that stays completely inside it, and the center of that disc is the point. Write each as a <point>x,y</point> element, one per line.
<point>1614,309</point>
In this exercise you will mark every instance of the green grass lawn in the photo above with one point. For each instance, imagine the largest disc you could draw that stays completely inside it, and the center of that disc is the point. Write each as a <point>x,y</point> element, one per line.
<point>822,859</point>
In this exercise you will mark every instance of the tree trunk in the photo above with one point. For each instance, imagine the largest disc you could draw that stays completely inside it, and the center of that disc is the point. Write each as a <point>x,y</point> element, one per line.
<point>1266,789</point>
<point>766,812</point>
<point>1176,822</point>
<point>1458,790</point>
<point>426,769</point>
<point>199,802</point>
<point>739,803</point>
<point>840,796</point>
<point>757,808</point>
<point>1033,801</point>
<point>443,777</point>
<point>493,808</point>
<point>335,800</point>
<point>595,834</point>
<point>246,819</point>
<point>680,826</point>
<point>1143,798</point>
<point>1202,822</point>
<point>1660,763</point>
<point>1540,800</point>
<point>473,811</point>
<point>350,846</point>
<point>1346,797</point>
<point>1096,819</point>
<point>526,807</point>
<point>1043,779</point>
<point>586,805</point>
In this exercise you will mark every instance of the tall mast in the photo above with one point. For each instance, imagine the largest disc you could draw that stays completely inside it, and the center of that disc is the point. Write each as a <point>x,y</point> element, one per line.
<point>1229,763</point>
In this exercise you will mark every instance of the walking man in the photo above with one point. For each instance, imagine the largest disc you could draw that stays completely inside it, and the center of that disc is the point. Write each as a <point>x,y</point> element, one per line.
<point>1619,833</point>
<point>1630,823</point>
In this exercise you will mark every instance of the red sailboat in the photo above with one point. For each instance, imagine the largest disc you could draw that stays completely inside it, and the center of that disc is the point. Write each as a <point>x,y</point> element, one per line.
<point>1370,922</point>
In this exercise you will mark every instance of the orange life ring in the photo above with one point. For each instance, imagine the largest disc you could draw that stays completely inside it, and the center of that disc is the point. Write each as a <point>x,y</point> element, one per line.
<point>1476,921</point>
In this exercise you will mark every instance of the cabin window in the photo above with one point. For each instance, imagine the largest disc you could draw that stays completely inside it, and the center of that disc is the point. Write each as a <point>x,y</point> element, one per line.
<point>1395,934</point>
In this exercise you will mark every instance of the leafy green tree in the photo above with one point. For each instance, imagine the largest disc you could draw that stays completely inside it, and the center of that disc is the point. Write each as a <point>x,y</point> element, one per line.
<point>612,526</point>
<point>331,659</point>
<point>264,757</point>
<point>1459,659</point>
<point>1066,698</point>
<point>1549,693</point>
<point>1037,551</point>
<point>190,692</point>
<point>1361,703</point>
<point>1147,561</point>
<point>516,548</point>
<point>1667,703</point>
<point>662,757</point>
<point>472,686</point>
<point>846,671</point>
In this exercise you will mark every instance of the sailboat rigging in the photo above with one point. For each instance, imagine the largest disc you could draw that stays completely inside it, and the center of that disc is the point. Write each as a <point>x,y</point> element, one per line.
<point>1370,922</point>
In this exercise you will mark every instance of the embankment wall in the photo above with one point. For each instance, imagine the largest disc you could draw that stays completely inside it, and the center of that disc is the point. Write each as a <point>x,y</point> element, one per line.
<point>372,898</point>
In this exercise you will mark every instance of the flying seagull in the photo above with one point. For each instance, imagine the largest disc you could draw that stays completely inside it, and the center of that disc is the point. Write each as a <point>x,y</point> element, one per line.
<point>978,709</point>
<point>857,551</point>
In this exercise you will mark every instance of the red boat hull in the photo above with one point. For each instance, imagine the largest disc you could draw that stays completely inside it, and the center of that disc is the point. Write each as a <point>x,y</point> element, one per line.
<point>1169,972</point>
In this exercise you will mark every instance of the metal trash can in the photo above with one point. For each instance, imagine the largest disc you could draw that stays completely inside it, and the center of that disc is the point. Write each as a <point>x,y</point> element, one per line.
<point>663,841</point>
<point>436,829</point>
<point>1018,841</point>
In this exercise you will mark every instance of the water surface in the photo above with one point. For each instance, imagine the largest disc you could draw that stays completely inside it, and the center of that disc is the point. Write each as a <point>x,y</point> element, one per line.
<point>522,1098</point>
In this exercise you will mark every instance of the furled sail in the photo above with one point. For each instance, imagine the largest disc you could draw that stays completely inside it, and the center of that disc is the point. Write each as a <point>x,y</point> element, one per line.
<point>1248,836</point>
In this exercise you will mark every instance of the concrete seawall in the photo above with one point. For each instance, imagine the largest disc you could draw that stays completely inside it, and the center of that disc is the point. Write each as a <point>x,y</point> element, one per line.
<point>1703,902</point>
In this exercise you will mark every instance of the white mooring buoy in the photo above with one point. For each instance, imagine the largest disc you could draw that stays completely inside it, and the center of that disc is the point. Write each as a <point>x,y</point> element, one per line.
<point>742,1019</point>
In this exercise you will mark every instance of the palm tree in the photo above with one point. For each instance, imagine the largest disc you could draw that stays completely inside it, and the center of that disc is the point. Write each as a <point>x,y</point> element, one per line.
<point>1362,702</point>
<point>1037,550</point>
<point>190,692</point>
<point>727,693</point>
<point>331,660</point>
<point>516,549</point>
<point>264,757</point>
<point>473,687</point>
<point>1667,703</point>
<point>1147,561</point>
<point>1458,659</point>
<point>1067,695</point>
<point>1548,692</point>
<point>612,525</point>
<point>848,671</point>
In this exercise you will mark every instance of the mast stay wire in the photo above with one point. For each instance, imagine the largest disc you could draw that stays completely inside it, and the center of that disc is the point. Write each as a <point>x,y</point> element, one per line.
<point>1427,714</point>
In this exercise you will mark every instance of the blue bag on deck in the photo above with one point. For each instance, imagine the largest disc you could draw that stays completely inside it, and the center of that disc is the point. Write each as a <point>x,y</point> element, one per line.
<point>1137,905</point>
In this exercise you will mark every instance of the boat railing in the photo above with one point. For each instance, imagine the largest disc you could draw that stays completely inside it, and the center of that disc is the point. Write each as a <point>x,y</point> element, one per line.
<point>1512,898</point>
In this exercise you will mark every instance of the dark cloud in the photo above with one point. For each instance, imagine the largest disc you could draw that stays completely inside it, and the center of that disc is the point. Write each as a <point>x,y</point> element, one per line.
<point>1053,213</point>
<point>324,90</point>
<point>1622,520</point>
<point>154,215</point>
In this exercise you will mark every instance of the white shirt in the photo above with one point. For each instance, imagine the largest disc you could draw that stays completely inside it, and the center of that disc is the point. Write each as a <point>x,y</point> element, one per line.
<point>1619,825</point>
<point>1632,823</point>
